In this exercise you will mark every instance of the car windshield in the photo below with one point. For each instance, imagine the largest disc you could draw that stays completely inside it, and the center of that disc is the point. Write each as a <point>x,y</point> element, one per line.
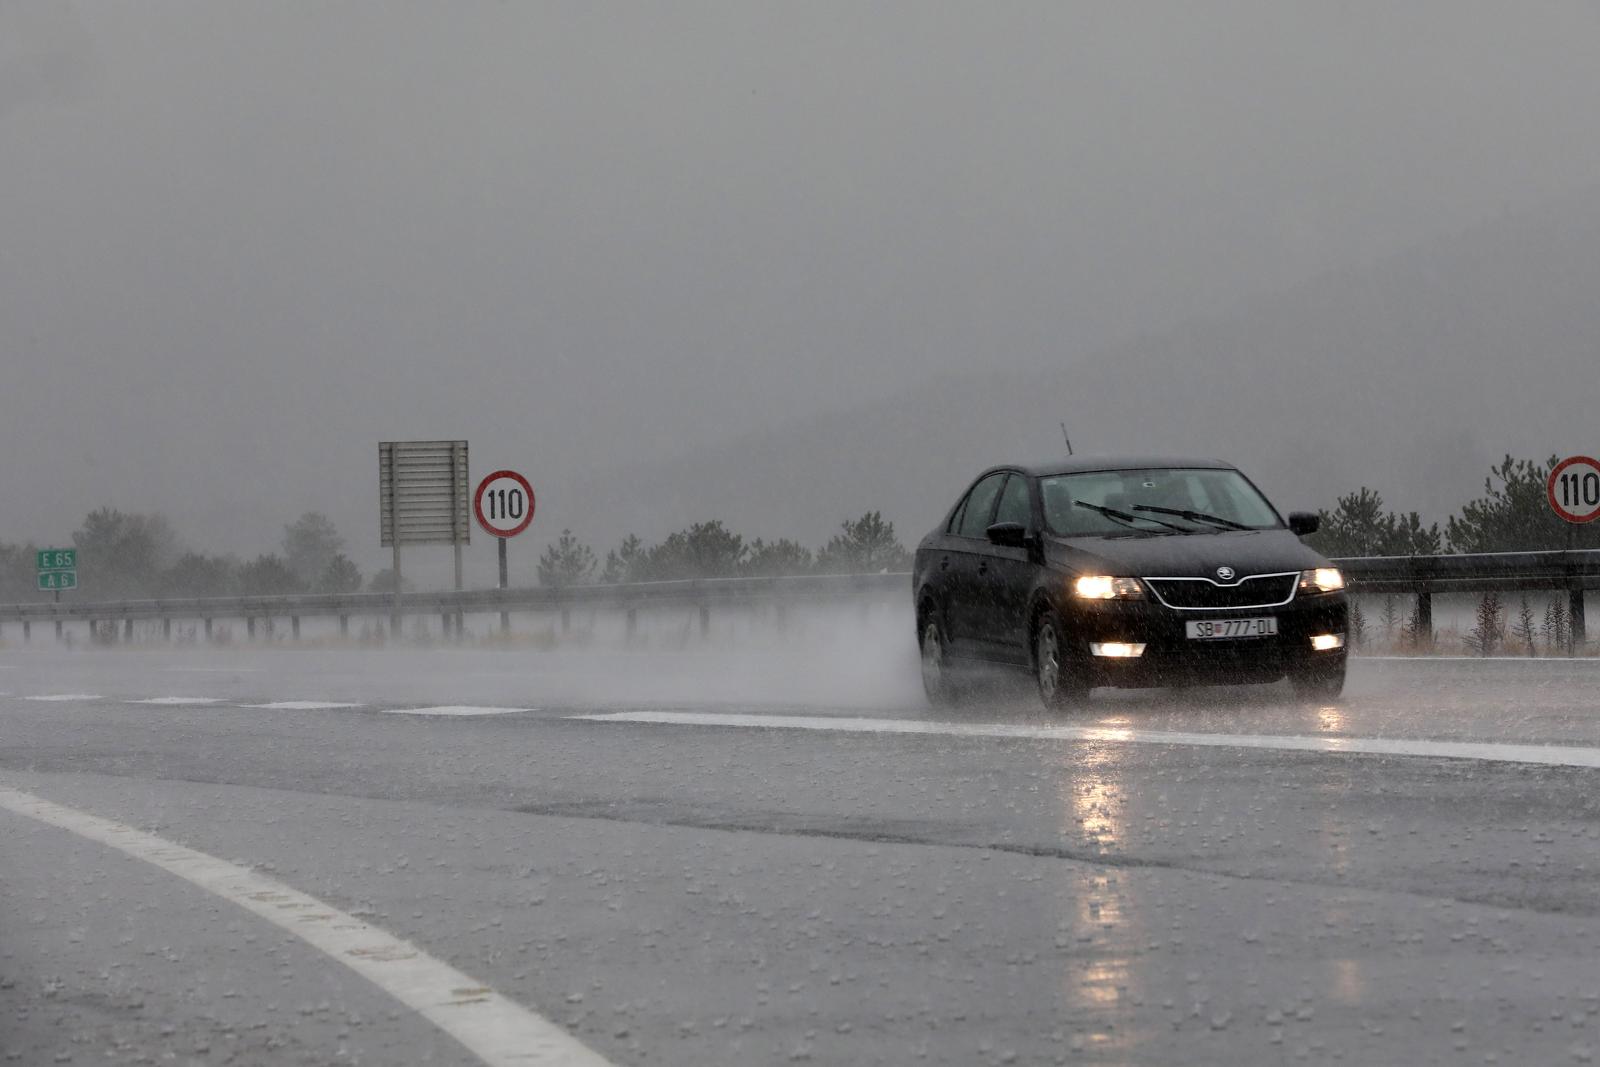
<point>1158,499</point>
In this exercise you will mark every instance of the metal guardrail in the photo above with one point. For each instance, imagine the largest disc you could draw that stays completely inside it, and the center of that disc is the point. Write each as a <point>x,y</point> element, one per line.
<point>1419,576</point>
<point>1474,573</point>
<point>695,591</point>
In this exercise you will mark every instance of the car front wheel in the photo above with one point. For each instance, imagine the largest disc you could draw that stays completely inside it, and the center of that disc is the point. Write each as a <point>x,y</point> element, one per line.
<point>1061,678</point>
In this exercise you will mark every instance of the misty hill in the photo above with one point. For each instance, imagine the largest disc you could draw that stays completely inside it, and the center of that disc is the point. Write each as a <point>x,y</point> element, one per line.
<point>1411,377</point>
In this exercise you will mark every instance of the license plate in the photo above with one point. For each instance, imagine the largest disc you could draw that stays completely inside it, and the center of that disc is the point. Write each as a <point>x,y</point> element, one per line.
<point>1214,629</point>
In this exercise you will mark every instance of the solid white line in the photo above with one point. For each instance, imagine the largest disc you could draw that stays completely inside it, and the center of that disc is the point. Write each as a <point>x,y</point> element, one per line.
<point>1568,660</point>
<point>302,705</point>
<point>455,709</point>
<point>58,697</point>
<point>216,670</point>
<point>499,1031</point>
<point>177,701</point>
<point>1547,755</point>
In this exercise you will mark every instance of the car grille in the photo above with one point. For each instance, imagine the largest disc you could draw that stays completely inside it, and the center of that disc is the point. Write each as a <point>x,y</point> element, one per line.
<point>1255,591</point>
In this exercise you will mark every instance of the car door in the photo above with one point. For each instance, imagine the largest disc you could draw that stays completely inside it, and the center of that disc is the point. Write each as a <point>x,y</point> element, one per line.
<point>963,609</point>
<point>1003,580</point>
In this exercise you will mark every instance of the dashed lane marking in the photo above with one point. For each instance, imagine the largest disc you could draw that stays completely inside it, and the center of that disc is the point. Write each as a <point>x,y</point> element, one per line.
<point>301,705</point>
<point>496,1029</point>
<point>462,710</point>
<point>1547,755</point>
<point>178,701</point>
<point>63,697</point>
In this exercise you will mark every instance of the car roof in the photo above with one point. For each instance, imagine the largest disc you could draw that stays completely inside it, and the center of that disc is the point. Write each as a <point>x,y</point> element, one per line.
<point>1082,464</point>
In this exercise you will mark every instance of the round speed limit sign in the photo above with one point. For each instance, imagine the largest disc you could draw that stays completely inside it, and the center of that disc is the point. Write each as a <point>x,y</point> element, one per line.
<point>1574,489</point>
<point>504,503</point>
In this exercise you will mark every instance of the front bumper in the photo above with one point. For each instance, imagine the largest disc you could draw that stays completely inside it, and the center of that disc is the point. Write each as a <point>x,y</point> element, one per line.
<point>1170,657</point>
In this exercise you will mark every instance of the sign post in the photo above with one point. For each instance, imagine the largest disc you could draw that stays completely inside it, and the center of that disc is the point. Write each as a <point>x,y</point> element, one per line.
<point>58,570</point>
<point>422,498</point>
<point>504,506</point>
<point>1574,492</point>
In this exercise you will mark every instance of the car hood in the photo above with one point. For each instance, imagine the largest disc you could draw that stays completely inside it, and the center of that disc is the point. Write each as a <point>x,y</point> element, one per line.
<point>1185,555</point>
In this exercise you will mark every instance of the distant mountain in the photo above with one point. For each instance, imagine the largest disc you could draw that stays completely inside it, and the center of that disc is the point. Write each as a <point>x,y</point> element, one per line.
<point>1411,376</point>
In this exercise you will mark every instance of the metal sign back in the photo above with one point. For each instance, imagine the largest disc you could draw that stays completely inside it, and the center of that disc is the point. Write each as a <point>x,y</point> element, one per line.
<point>423,493</point>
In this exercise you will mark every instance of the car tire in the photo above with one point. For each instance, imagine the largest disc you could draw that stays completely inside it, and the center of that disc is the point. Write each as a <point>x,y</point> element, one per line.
<point>937,680</point>
<point>1059,674</point>
<point>1319,681</point>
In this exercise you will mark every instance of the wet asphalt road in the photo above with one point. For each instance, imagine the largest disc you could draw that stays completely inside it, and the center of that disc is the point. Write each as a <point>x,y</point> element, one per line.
<point>693,894</point>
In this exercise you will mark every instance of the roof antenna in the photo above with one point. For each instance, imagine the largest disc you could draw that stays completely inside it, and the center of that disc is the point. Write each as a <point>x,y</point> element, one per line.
<point>1065,438</point>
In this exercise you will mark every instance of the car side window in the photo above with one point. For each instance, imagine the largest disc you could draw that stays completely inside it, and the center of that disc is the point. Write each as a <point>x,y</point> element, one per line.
<point>980,505</point>
<point>955,516</point>
<point>1014,503</point>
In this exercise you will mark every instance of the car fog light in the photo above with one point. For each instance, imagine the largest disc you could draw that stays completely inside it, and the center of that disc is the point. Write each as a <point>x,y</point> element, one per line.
<point>1327,642</point>
<point>1116,649</point>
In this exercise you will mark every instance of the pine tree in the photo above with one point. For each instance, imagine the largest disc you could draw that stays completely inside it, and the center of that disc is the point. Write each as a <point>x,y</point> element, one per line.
<point>1390,618</point>
<point>1358,624</point>
<point>567,562</point>
<point>1556,627</point>
<point>1487,629</point>
<point>1524,628</point>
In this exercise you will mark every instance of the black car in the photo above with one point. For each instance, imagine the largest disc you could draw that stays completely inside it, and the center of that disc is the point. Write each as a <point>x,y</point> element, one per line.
<point>1126,572</point>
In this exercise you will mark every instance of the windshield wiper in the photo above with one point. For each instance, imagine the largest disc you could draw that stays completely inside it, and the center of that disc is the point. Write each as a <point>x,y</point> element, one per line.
<point>1192,516</point>
<point>1128,520</point>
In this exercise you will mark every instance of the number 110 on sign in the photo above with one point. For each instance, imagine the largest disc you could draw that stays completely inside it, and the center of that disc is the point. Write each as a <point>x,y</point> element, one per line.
<point>504,503</point>
<point>1574,489</point>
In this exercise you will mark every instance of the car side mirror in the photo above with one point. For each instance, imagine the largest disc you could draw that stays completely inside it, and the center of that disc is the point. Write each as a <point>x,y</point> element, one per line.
<point>1304,522</point>
<point>1008,535</point>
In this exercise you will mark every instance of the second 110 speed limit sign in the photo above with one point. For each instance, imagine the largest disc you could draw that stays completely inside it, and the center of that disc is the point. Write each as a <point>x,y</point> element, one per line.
<point>1574,488</point>
<point>504,503</point>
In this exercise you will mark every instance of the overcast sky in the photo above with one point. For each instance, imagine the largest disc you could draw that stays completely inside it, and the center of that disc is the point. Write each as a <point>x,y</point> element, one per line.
<point>241,243</point>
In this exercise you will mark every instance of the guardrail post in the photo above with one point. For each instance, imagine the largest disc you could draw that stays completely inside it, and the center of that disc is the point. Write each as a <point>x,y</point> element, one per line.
<point>705,620</point>
<point>127,631</point>
<point>505,621</point>
<point>1575,617</point>
<point>208,630</point>
<point>250,627</point>
<point>27,631</point>
<point>166,629</point>
<point>1424,633</point>
<point>294,626</point>
<point>344,626</point>
<point>58,631</point>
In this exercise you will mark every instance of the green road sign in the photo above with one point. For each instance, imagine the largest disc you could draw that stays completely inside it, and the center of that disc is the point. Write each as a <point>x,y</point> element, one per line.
<point>50,580</point>
<point>58,559</point>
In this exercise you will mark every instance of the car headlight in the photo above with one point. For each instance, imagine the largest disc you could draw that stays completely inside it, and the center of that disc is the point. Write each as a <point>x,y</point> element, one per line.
<point>1105,587</point>
<point>1321,580</point>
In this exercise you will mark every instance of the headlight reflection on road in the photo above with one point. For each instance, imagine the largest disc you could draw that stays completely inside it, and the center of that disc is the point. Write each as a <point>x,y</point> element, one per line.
<point>1096,928</point>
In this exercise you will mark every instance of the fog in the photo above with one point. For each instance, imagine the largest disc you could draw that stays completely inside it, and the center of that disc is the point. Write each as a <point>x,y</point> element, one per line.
<point>780,264</point>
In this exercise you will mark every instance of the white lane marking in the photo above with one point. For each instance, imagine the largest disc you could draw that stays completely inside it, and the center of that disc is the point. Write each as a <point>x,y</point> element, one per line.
<point>177,701</point>
<point>302,705</point>
<point>216,670</point>
<point>57,697</point>
<point>498,1030</point>
<point>8,666</point>
<point>1569,661</point>
<point>1548,755</point>
<point>455,709</point>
